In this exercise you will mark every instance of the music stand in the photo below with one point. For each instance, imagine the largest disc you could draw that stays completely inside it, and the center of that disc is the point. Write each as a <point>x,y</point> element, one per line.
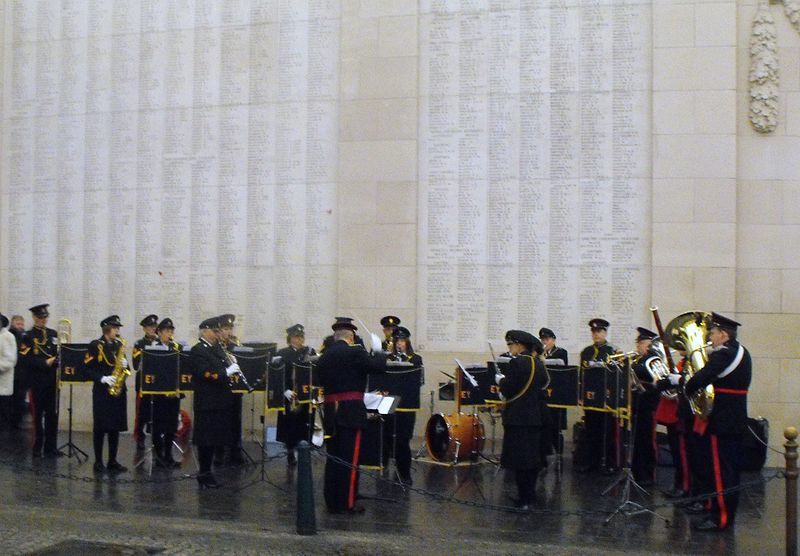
<point>627,506</point>
<point>160,369</point>
<point>252,359</point>
<point>562,393</point>
<point>70,363</point>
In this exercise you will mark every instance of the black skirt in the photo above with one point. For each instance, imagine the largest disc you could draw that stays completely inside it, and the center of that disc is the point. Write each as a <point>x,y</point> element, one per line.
<point>109,413</point>
<point>521,447</point>
<point>213,427</point>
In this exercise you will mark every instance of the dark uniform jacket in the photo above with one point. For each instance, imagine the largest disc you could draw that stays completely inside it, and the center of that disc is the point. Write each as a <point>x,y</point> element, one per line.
<point>344,368</point>
<point>35,348</point>
<point>523,400</point>
<point>110,412</point>
<point>596,353</point>
<point>289,356</point>
<point>557,353</point>
<point>411,399</point>
<point>729,414</point>
<point>212,390</point>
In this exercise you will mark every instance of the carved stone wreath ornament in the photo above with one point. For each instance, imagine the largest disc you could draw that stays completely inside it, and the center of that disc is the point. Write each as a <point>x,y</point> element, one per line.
<point>763,74</point>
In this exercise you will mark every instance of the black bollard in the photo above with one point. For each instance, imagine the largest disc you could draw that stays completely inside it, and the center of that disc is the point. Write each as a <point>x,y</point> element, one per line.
<point>790,434</point>
<point>306,517</point>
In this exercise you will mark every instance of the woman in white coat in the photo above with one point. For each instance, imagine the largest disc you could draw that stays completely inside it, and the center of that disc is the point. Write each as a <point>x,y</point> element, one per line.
<point>8,359</point>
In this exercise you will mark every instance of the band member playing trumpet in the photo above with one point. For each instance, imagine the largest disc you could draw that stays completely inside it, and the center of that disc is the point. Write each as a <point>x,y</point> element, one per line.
<point>213,399</point>
<point>343,369</point>
<point>38,350</point>
<point>389,323</point>
<point>729,370</point>
<point>597,448</point>
<point>105,364</point>
<point>295,420</point>
<point>645,401</point>
<point>522,413</point>
<point>150,337</point>
<point>166,408</point>
<point>398,428</point>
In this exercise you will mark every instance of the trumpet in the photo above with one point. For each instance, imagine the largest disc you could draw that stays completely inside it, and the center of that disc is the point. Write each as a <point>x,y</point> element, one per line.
<point>621,356</point>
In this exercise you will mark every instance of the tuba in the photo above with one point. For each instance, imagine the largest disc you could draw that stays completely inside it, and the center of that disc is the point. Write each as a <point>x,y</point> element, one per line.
<point>688,332</point>
<point>120,373</point>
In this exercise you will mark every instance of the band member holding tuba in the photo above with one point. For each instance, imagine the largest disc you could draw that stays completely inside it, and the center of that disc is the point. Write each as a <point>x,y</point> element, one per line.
<point>343,369</point>
<point>213,399</point>
<point>232,453</point>
<point>645,401</point>
<point>596,448</point>
<point>166,408</point>
<point>295,421</point>
<point>106,365</point>
<point>38,350</point>
<point>729,370</point>
<point>522,413</point>
<point>150,337</point>
<point>398,428</point>
<point>389,324</point>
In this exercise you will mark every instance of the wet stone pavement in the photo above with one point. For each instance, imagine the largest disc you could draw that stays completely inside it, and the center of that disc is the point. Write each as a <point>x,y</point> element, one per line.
<point>61,507</point>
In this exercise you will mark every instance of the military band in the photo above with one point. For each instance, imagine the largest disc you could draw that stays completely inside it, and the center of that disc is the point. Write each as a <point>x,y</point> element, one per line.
<point>705,446</point>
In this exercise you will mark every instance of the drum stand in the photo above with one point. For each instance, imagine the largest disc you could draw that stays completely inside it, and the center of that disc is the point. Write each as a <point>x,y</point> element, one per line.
<point>628,507</point>
<point>424,446</point>
<point>473,464</point>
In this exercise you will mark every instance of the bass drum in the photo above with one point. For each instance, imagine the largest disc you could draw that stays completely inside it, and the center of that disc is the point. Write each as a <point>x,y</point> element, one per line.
<point>451,438</point>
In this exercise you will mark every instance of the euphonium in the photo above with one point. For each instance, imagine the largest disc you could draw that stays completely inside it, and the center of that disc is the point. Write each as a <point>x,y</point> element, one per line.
<point>688,332</point>
<point>120,373</point>
<point>658,368</point>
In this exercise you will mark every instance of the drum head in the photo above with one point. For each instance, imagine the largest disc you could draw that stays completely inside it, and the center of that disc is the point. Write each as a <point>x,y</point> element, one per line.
<point>437,435</point>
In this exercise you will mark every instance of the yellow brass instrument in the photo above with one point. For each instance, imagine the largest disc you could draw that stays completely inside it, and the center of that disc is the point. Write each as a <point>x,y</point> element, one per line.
<point>688,332</point>
<point>120,373</point>
<point>622,356</point>
<point>658,368</point>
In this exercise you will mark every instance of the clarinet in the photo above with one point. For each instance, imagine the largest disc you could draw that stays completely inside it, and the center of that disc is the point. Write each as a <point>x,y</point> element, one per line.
<point>231,359</point>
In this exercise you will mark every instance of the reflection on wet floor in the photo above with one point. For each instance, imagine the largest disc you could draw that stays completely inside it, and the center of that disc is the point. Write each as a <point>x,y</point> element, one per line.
<point>446,500</point>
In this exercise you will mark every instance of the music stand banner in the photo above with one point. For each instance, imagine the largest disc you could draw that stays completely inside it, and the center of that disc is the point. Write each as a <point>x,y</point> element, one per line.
<point>185,372</point>
<point>276,385</point>
<point>304,376</point>
<point>563,389</point>
<point>399,381</point>
<point>594,391</point>
<point>71,364</point>
<point>160,370</point>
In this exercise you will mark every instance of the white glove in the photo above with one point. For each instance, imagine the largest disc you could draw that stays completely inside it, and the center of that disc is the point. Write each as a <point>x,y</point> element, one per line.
<point>233,370</point>
<point>124,363</point>
<point>109,380</point>
<point>289,395</point>
<point>376,342</point>
<point>498,377</point>
<point>674,379</point>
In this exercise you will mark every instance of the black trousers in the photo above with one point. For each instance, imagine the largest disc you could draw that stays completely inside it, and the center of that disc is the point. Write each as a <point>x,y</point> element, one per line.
<point>598,444</point>
<point>45,418</point>
<point>526,484</point>
<point>398,429</point>
<point>700,466</point>
<point>723,468</point>
<point>643,462</point>
<point>341,480</point>
<point>18,399</point>
<point>679,448</point>
<point>113,445</point>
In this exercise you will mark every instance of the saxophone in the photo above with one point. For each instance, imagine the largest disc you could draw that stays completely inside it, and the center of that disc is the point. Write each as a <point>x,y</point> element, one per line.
<point>120,373</point>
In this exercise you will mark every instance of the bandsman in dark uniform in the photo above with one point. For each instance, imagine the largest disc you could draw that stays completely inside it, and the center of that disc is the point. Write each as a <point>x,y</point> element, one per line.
<point>343,370</point>
<point>596,450</point>
<point>729,370</point>
<point>645,401</point>
<point>554,355</point>
<point>295,420</point>
<point>109,413</point>
<point>398,428</point>
<point>389,324</point>
<point>232,453</point>
<point>150,338</point>
<point>522,387</point>
<point>167,407</point>
<point>38,350</point>
<point>213,399</point>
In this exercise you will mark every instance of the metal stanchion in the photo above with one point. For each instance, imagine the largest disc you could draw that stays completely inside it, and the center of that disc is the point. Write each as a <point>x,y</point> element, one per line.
<point>791,490</point>
<point>306,517</point>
